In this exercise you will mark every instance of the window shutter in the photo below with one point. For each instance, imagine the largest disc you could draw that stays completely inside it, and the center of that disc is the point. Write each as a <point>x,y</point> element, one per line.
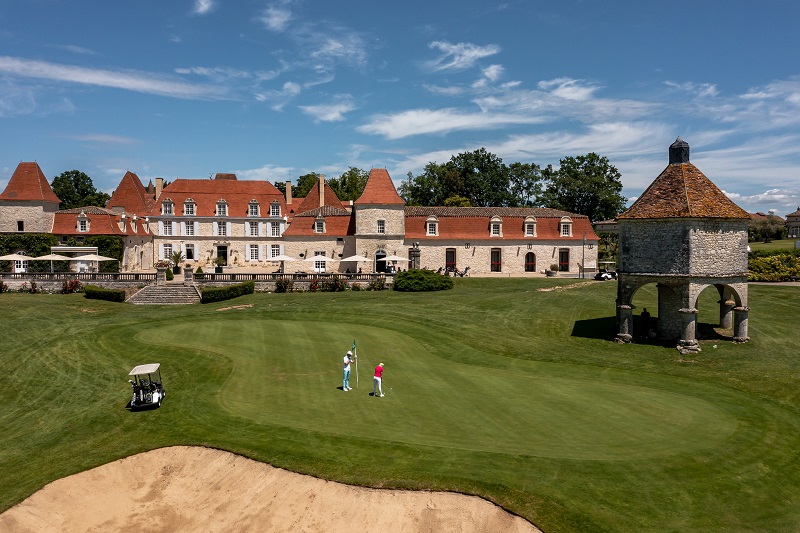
<point>258,253</point>
<point>281,249</point>
<point>173,228</point>
<point>228,229</point>
<point>260,229</point>
<point>213,228</point>
<point>160,250</point>
<point>183,228</point>
<point>160,228</point>
<point>196,227</point>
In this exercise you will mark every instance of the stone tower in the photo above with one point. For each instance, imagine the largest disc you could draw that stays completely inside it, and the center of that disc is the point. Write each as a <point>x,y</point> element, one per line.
<point>683,234</point>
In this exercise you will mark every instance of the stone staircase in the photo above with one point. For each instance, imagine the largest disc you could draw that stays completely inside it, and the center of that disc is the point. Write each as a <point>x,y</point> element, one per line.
<point>170,294</point>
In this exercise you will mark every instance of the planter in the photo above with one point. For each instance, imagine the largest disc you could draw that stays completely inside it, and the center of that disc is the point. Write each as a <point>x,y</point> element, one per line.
<point>176,269</point>
<point>550,273</point>
<point>217,270</point>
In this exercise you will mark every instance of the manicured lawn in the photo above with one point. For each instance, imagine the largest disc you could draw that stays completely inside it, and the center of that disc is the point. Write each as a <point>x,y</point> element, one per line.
<point>493,388</point>
<point>773,246</point>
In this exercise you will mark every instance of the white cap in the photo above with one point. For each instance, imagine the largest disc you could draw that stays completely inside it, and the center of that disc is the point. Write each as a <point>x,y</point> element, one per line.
<point>349,352</point>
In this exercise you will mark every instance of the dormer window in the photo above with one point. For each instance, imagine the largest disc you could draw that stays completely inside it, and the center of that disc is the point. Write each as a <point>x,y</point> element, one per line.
<point>252,208</point>
<point>83,223</point>
<point>275,209</point>
<point>432,226</point>
<point>188,207</point>
<point>222,208</point>
<point>496,227</point>
<point>166,207</point>
<point>565,227</point>
<point>530,226</point>
<point>319,225</point>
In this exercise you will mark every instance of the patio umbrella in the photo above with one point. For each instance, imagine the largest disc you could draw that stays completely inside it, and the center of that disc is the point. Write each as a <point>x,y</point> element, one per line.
<point>353,258</point>
<point>93,257</point>
<point>15,257</point>
<point>394,258</point>
<point>51,258</point>
<point>320,258</point>
<point>282,258</point>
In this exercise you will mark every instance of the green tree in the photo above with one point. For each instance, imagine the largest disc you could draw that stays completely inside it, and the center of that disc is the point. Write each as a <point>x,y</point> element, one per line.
<point>75,189</point>
<point>525,182</point>
<point>588,185</point>
<point>304,184</point>
<point>457,201</point>
<point>350,184</point>
<point>281,186</point>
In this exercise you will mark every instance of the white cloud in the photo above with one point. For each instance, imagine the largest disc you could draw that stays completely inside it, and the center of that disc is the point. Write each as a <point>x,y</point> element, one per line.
<point>347,48</point>
<point>280,97</point>
<point>103,138</point>
<point>428,121</point>
<point>332,112</point>
<point>271,173</point>
<point>137,81</point>
<point>445,91</point>
<point>203,7</point>
<point>215,73</point>
<point>493,72</point>
<point>276,18</point>
<point>698,89</point>
<point>459,56</point>
<point>568,89</point>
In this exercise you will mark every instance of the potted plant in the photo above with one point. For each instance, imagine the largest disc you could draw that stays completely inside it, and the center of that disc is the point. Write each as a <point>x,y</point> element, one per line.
<point>176,257</point>
<point>219,262</point>
<point>552,271</point>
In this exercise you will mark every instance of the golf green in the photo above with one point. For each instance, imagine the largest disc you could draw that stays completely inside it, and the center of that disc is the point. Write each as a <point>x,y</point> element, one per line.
<point>288,373</point>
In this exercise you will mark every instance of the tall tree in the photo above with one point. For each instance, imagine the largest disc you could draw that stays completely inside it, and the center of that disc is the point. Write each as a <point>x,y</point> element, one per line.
<point>588,184</point>
<point>75,189</point>
<point>350,184</point>
<point>304,184</point>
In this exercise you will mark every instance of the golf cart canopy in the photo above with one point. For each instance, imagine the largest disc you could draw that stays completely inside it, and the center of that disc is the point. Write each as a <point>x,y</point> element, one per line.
<point>144,369</point>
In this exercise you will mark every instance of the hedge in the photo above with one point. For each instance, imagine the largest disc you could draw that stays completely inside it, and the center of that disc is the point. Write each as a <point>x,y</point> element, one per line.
<point>98,293</point>
<point>219,294</point>
<point>420,280</point>
<point>773,266</point>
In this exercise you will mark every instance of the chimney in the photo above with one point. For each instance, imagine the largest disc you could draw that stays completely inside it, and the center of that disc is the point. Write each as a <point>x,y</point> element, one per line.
<point>321,190</point>
<point>679,151</point>
<point>288,192</point>
<point>159,186</point>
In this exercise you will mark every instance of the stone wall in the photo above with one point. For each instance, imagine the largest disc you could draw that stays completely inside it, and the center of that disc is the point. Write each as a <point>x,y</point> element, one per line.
<point>718,248</point>
<point>367,220</point>
<point>36,218</point>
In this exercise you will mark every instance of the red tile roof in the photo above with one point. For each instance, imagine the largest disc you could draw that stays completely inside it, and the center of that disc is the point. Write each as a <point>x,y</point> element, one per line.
<point>311,201</point>
<point>379,190</point>
<point>472,223</point>
<point>29,184</point>
<point>132,196</point>
<point>101,222</point>
<point>335,226</point>
<point>682,191</point>
<point>206,194</point>
<point>764,216</point>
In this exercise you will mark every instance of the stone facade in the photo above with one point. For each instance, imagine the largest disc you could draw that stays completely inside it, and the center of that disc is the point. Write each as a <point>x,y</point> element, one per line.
<point>36,217</point>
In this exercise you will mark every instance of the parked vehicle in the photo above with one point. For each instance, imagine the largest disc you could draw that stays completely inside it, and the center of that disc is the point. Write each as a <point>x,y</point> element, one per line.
<point>605,275</point>
<point>148,386</point>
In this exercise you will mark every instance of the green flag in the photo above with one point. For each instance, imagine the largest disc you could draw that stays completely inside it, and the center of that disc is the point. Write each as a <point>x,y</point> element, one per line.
<point>354,345</point>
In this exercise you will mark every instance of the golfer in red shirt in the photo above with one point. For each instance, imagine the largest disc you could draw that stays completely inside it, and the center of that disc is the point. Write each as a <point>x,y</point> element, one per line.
<point>376,381</point>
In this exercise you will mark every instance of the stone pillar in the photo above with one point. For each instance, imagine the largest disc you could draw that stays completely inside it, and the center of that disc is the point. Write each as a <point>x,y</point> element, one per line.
<point>625,313</point>
<point>188,276</point>
<point>161,276</point>
<point>688,342</point>
<point>740,315</point>
<point>726,305</point>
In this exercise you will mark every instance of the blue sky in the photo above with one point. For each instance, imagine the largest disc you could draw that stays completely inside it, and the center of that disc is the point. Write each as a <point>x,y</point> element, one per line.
<point>275,89</point>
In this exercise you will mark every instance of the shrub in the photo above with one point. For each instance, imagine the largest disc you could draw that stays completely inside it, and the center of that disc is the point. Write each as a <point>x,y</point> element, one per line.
<point>98,293</point>
<point>71,286</point>
<point>170,275</point>
<point>377,284</point>
<point>419,280</point>
<point>284,285</point>
<point>333,285</point>
<point>219,294</point>
<point>199,270</point>
<point>3,287</point>
<point>355,286</point>
<point>773,266</point>
<point>314,285</point>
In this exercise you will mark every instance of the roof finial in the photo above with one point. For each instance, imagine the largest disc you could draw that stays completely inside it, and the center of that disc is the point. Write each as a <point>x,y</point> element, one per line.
<point>679,151</point>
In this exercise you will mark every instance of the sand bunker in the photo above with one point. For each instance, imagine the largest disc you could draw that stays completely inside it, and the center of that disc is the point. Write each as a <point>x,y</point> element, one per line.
<point>201,489</point>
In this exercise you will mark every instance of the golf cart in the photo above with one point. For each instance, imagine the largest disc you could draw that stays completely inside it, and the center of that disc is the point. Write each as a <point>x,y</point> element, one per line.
<point>604,275</point>
<point>148,387</point>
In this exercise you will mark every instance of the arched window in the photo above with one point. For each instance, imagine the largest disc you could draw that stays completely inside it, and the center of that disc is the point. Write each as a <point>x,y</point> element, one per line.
<point>496,227</point>
<point>188,207</point>
<point>222,208</point>
<point>530,262</point>
<point>530,226</point>
<point>252,208</point>
<point>432,226</point>
<point>166,207</point>
<point>565,227</point>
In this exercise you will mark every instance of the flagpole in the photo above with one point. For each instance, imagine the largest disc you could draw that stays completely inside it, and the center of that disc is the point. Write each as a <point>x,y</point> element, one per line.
<point>355,354</point>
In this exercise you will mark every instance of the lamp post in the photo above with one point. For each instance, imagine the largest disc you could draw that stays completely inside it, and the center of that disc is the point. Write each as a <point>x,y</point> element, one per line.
<point>583,256</point>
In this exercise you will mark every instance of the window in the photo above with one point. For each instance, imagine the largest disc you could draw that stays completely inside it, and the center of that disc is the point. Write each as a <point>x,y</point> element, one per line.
<point>190,252</point>
<point>167,251</point>
<point>432,226</point>
<point>188,208</point>
<point>275,209</point>
<point>319,226</point>
<point>530,227</point>
<point>319,266</point>
<point>275,250</point>
<point>190,228</point>
<point>275,229</point>
<point>496,227</point>
<point>381,226</point>
<point>166,208</point>
<point>565,227</point>
<point>167,228</point>
<point>83,226</point>
<point>20,225</point>
<point>222,229</point>
<point>254,229</point>
<point>222,209</point>
<point>530,262</point>
<point>496,260</point>
<point>253,252</point>
<point>253,209</point>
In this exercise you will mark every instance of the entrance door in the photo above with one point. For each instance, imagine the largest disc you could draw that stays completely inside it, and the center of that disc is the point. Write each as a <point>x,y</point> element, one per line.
<point>380,266</point>
<point>222,251</point>
<point>450,259</point>
<point>563,260</point>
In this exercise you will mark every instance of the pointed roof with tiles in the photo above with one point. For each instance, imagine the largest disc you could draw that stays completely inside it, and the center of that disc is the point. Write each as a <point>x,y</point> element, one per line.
<point>131,195</point>
<point>379,190</point>
<point>312,199</point>
<point>682,191</point>
<point>29,184</point>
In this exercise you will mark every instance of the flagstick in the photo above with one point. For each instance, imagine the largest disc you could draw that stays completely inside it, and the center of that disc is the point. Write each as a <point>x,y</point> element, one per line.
<point>355,352</point>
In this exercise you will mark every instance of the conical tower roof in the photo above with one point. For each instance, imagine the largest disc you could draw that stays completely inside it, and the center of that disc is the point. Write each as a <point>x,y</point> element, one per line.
<point>29,184</point>
<point>682,191</point>
<point>379,189</point>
